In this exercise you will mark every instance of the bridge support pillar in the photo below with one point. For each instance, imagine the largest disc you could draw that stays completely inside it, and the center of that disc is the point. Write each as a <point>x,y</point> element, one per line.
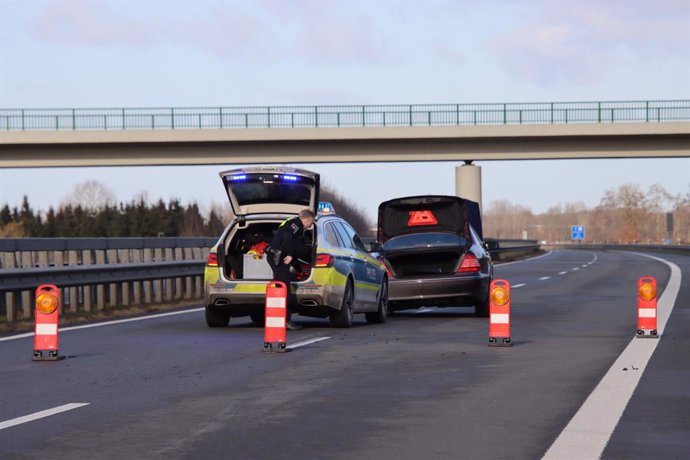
<point>468,182</point>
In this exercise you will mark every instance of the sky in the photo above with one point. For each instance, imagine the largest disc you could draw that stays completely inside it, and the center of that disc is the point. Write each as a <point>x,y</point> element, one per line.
<point>181,53</point>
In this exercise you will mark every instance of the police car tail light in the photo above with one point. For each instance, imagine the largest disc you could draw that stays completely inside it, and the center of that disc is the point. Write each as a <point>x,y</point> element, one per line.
<point>469,264</point>
<point>303,274</point>
<point>324,260</point>
<point>212,259</point>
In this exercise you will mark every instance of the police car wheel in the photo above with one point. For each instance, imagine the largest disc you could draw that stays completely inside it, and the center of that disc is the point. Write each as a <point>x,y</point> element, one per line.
<point>215,318</point>
<point>379,316</point>
<point>258,318</point>
<point>343,317</point>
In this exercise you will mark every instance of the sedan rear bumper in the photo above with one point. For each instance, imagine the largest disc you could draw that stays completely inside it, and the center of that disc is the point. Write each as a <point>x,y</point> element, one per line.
<point>456,290</point>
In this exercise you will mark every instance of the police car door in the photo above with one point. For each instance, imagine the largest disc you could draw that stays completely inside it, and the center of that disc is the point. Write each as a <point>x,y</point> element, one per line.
<point>365,285</point>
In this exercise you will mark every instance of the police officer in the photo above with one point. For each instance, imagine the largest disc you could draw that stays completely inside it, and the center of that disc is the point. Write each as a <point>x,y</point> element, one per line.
<point>282,253</point>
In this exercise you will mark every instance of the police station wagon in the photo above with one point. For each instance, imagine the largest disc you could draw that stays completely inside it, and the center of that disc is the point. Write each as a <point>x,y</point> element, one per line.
<point>335,276</point>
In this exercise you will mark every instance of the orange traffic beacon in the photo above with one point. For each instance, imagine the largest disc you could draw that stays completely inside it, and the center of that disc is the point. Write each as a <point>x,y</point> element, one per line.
<point>646,308</point>
<point>499,314</point>
<point>46,323</point>
<point>276,312</point>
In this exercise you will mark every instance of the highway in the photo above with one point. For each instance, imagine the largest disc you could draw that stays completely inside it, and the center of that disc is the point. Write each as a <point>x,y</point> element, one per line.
<point>423,385</point>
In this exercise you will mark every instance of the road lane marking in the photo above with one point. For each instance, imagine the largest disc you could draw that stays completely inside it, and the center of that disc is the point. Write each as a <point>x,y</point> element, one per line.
<point>576,269</point>
<point>544,278</point>
<point>106,323</point>
<point>523,261</point>
<point>591,427</point>
<point>562,273</point>
<point>40,415</point>
<point>306,342</point>
<point>585,266</point>
<point>519,285</point>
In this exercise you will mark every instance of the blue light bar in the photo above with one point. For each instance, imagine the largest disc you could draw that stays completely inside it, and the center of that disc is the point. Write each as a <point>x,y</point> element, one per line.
<point>239,177</point>
<point>292,178</point>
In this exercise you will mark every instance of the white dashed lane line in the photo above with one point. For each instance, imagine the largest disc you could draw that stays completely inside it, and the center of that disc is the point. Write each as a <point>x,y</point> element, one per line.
<point>306,342</point>
<point>40,415</point>
<point>519,285</point>
<point>576,269</point>
<point>562,273</point>
<point>544,278</point>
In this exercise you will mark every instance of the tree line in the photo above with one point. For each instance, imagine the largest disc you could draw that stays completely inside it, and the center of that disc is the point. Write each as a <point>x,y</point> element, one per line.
<point>90,211</point>
<point>626,214</point>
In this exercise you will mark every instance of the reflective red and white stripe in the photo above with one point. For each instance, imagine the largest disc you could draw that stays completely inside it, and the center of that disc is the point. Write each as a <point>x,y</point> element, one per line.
<point>276,312</point>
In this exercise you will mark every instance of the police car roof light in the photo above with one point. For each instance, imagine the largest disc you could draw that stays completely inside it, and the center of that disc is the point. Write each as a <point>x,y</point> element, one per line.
<point>290,178</point>
<point>239,177</point>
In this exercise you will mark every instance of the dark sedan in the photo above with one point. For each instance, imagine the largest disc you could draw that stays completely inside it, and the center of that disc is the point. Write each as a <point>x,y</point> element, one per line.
<point>433,250</point>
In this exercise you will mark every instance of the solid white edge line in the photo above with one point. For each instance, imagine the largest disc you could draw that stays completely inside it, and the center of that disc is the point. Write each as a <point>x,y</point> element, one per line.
<point>590,429</point>
<point>107,323</point>
<point>40,415</point>
<point>306,342</point>
<point>523,261</point>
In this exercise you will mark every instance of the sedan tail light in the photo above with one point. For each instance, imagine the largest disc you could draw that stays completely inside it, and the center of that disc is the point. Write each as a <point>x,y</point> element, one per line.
<point>385,265</point>
<point>212,259</point>
<point>324,260</point>
<point>469,264</point>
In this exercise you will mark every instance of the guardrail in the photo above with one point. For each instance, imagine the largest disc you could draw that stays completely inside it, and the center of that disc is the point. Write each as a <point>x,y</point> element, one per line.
<point>664,248</point>
<point>344,115</point>
<point>100,273</point>
<point>513,249</point>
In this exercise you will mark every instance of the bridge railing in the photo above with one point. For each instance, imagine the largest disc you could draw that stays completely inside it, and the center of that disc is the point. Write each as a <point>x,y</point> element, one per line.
<point>344,116</point>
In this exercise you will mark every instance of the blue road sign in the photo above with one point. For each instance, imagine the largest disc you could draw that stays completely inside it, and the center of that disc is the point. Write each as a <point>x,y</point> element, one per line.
<point>578,232</point>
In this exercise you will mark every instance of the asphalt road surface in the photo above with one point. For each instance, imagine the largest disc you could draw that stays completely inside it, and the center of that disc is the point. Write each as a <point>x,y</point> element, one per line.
<point>423,385</point>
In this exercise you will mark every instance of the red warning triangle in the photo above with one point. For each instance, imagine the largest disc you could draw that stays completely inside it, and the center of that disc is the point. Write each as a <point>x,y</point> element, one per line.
<point>421,218</point>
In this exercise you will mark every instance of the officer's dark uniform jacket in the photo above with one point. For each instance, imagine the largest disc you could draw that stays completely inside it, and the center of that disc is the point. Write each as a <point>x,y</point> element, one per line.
<point>285,237</point>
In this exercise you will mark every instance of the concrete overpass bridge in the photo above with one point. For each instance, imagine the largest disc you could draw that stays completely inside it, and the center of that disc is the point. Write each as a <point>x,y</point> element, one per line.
<point>339,134</point>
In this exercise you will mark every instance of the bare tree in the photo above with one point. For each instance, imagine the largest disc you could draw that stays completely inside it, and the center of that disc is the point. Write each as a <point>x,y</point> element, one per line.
<point>92,196</point>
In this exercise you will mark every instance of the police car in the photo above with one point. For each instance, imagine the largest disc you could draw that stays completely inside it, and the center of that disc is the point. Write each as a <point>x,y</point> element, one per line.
<point>335,276</point>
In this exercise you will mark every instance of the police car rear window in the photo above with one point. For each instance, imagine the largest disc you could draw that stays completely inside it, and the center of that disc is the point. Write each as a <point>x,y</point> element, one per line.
<point>261,192</point>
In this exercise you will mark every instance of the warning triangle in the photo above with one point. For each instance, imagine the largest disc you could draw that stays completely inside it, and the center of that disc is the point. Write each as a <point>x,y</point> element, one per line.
<point>421,218</point>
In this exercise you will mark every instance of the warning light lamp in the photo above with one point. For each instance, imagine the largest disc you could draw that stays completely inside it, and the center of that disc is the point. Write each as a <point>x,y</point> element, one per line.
<point>46,302</point>
<point>239,177</point>
<point>500,295</point>
<point>325,207</point>
<point>647,291</point>
<point>290,178</point>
